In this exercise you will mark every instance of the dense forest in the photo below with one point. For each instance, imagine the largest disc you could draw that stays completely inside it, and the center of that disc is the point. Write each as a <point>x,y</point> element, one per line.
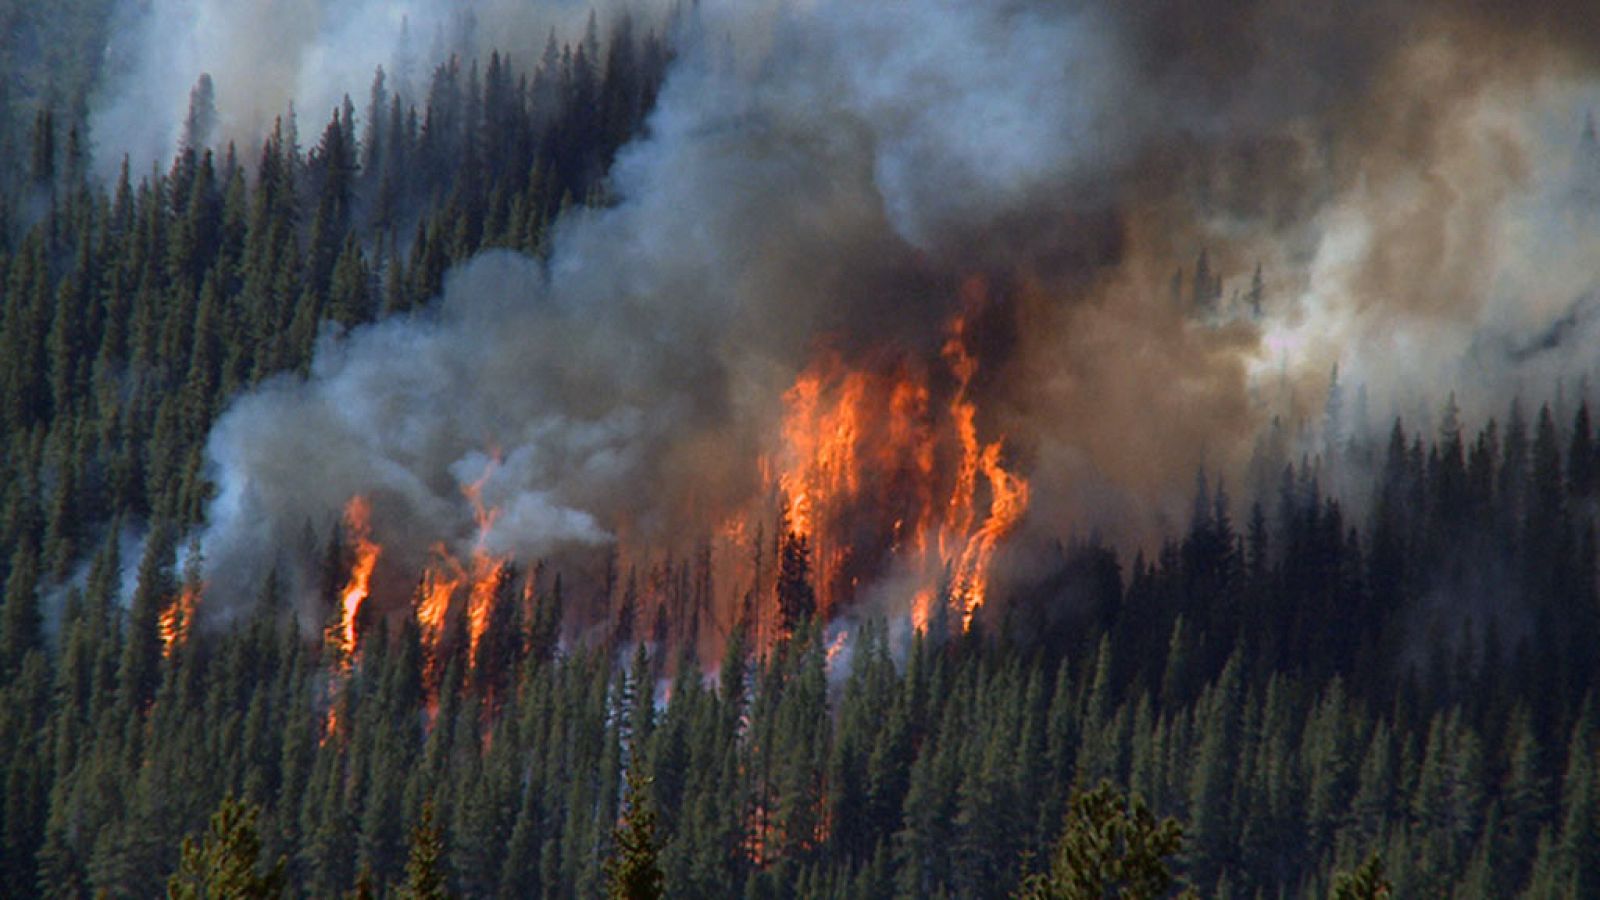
<point>1302,681</point>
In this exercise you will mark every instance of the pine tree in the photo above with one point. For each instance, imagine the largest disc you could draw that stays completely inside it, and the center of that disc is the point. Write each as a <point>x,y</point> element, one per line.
<point>633,871</point>
<point>43,167</point>
<point>202,118</point>
<point>226,863</point>
<point>1112,846</point>
<point>797,599</point>
<point>21,623</point>
<point>425,866</point>
<point>1258,293</point>
<point>1365,883</point>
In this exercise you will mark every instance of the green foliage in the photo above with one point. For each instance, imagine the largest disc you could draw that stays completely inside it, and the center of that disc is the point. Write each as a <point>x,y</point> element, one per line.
<point>1367,882</point>
<point>1111,846</point>
<point>633,870</point>
<point>226,863</point>
<point>425,865</point>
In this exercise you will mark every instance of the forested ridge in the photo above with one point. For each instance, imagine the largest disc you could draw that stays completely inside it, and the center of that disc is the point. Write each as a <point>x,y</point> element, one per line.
<point>1300,679</point>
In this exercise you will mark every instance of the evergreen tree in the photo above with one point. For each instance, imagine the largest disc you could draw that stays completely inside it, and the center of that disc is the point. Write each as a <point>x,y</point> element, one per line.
<point>633,870</point>
<point>1112,846</point>
<point>226,862</point>
<point>1367,882</point>
<point>425,865</point>
<point>797,599</point>
<point>20,619</point>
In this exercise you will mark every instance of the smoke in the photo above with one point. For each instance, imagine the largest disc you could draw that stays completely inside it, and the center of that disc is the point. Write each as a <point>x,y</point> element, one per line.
<point>267,57</point>
<point>828,174</point>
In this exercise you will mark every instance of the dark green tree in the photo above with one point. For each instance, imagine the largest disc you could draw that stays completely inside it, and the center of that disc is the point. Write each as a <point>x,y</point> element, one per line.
<point>226,863</point>
<point>1111,847</point>
<point>425,866</point>
<point>1367,882</point>
<point>633,870</point>
<point>797,599</point>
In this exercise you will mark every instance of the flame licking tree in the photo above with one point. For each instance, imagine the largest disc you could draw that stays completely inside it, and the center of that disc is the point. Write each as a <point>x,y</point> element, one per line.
<point>875,478</point>
<point>358,522</point>
<point>341,635</point>
<point>176,620</point>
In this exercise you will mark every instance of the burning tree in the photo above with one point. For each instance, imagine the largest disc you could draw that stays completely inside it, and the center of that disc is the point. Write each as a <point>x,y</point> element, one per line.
<point>797,600</point>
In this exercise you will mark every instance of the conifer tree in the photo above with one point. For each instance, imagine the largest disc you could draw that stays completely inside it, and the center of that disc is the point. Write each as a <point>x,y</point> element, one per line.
<point>633,871</point>
<point>425,866</point>
<point>226,863</point>
<point>1367,882</point>
<point>797,599</point>
<point>1112,846</point>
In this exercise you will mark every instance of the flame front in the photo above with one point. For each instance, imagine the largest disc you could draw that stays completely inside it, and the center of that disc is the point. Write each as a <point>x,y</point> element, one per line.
<point>879,480</point>
<point>486,567</point>
<point>176,619</point>
<point>446,576</point>
<point>439,583</point>
<point>342,634</point>
<point>1008,492</point>
<point>358,520</point>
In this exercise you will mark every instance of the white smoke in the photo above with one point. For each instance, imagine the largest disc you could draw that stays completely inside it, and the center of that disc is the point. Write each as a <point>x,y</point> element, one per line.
<point>1472,275</point>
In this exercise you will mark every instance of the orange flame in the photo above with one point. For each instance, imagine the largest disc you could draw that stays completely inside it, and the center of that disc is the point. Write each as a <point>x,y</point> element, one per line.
<point>342,635</point>
<point>486,568</point>
<point>865,444</point>
<point>485,584</point>
<point>358,519</point>
<point>836,649</point>
<point>444,577</point>
<point>1008,492</point>
<point>921,608</point>
<point>439,583</point>
<point>176,619</point>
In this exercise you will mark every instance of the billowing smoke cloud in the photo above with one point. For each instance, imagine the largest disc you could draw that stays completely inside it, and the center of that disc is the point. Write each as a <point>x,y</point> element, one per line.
<point>831,172</point>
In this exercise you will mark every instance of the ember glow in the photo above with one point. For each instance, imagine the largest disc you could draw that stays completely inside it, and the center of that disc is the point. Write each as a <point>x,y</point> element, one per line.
<point>878,478</point>
<point>439,583</point>
<point>176,620</point>
<point>487,569</point>
<point>358,521</point>
<point>342,634</point>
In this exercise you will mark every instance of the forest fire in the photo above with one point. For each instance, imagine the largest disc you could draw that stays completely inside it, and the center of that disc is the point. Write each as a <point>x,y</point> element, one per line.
<point>358,520</point>
<point>445,576</point>
<point>176,619</point>
<point>877,478</point>
<point>439,583</point>
<point>342,634</point>
<point>444,585</point>
<point>487,569</point>
<point>880,481</point>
